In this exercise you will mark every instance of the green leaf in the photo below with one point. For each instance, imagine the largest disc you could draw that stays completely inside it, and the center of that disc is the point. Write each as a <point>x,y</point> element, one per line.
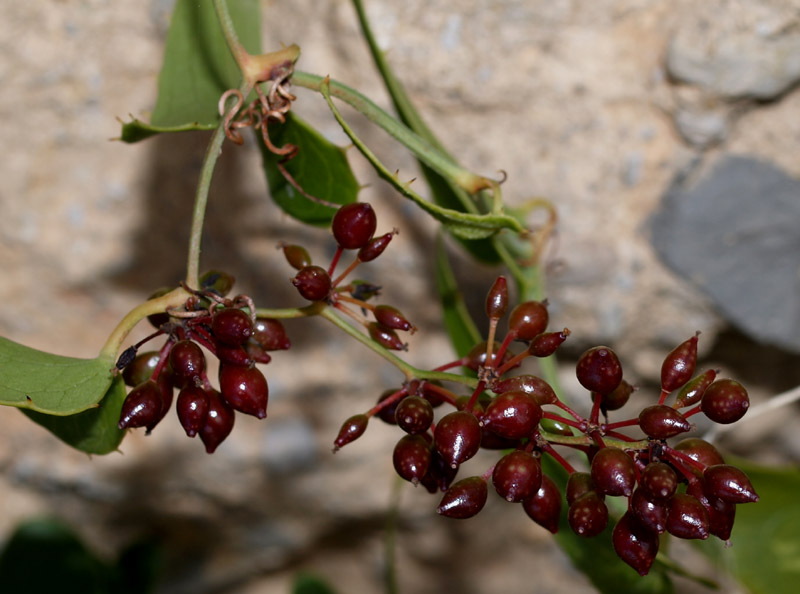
<point>459,324</point>
<point>307,583</point>
<point>50,383</point>
<point>320,168</point>
<point>596,558</point>
<point>93,431</point>
<point>765,555</point>
<point>198,67</point>
<point>44,555</point>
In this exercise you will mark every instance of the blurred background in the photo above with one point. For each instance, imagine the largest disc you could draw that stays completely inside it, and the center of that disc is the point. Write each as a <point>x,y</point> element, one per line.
<point>665,134</point>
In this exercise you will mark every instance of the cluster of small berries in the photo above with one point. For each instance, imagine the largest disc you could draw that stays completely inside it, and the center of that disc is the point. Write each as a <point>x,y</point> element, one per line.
<point>227,328</point>
<point>684,489</point>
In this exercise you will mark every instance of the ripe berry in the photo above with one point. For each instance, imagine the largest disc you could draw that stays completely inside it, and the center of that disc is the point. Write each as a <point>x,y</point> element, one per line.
<point>386,337</point>
<point>528,319</point>
<point>390,317</point>
<point>440,474</point>
<point>679,365</point>
<point>239,355</point>
<point>142,406</point>
<point>661,421</point>
<point>658,481</point>
<point>244,389</point>
<point>231,326</point>
<point>578,484</point>
<point>588,515</point>
<point>725,401</point>
<point>374,247</point>
<point>701,451</point>
<point>497,299</point>
<point>386,414</point>
<point>352,429</point>
<point>512,415</point>
<point>687,518</point>
<point>517,476</point>
<point>219,422</point>
<point>353,225</point>
<point>187,362</point>
<point>634,544</point>
<point>721,514</point>
<point>313,283</point>
<point>728,483</point>
<point>618,398</point>
<point>613,472</point>
<point>412,457</point>
<point>297,256</point>
<point>414,415</point>
<point>693,391</point>
<point>530,384</point>
<point>651,514</point>
<point>270,335</point>
<point>599,370</point>
<point>457,437</point>
<point>141,368</point>
<point>477,356</point>
<point>192,409</point>
<point>217,281</point>
<point>546,343</point>
<point>544,506</point>
<point>464,499</point>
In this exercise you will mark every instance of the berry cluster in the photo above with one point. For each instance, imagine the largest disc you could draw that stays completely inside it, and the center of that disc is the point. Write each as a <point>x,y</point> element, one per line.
<point>228,329</point>
<point>685,489</point>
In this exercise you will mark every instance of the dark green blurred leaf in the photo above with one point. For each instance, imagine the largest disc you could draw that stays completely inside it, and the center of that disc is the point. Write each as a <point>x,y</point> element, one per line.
<point>306,583</point>
<point>596,558</point>
<point>198,67</point>
<point>765,555</point>
<point>93,431</point>
<point>459,324</point>
<point>320,168</point>
<point>46,556</point>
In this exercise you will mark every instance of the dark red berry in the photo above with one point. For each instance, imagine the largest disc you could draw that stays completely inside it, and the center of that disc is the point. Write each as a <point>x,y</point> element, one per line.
<point>497,299</point>
<point>414,415</point>
<point>599,370</point>
<point>618,398</point>
<point>440,474</point>
<point>528,319</point>
<point>256,353</point>
<point>661,421</point>
<point>374,247</point>
<point>613,472</point>
<point>187,362</point>
<point>634,544</point>
<point>457,437</point>
<point>142,406</point>
<point>546,343</point>
<point>721,514</point>
<point>386,414</point>
<point>728,483</point>
<point>217,282</point>
<point>352,429</point>
<point>237,355</point>
<point>517,476</point>
<point>219,422</point>
<point>578,484</point>
<point>464,499</point>
<point>544,506</point>
<point>701,451</point>
<point>588,515</point>
<point>651,514</point>
<point>693,391</point>
<point>141,368</point>
<point>412,458</point>
<point>270,335</point>
<point>158,319</point>
<point>390,317</point>
<point>512,415</point>
<point>386,337</point>
<point>313,283</point>
<point>679,365</point>
<point>353,225</point>
<point>192,409</point>
<point>476,357</point>
<point>164,383</point>
<point>659,481</point>
<point>231,326</point>
<point>725,401</point>
<point>541,391</point>
<point>244,389</point>
<point>297,256</point>
<point>687,518</point>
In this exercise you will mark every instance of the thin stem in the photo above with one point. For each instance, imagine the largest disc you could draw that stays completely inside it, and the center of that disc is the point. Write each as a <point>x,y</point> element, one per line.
<point>291,312</point>
<point>548,449</point>
<point>231,38</point>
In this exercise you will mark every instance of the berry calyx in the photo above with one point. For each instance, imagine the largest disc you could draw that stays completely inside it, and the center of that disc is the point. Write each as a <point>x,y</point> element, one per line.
<point>353,225</point>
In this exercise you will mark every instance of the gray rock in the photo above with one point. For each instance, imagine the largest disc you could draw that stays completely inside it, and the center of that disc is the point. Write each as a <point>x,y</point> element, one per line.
<point>734,232</point>
<point>752,52</point>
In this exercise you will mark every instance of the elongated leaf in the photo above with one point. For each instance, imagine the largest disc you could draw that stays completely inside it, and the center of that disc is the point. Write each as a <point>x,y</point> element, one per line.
<point>460,327</point>
<point>93,431</point>
<point>765,554</point>
<point>50,383</point>
<point>320,168</point>
<point>198,67</point>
